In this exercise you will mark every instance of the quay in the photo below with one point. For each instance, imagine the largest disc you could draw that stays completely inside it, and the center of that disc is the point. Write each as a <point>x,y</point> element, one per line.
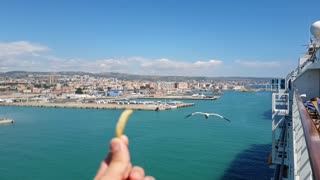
<point>147,107</point>
<point>6,121</point>
<point>180,97</point>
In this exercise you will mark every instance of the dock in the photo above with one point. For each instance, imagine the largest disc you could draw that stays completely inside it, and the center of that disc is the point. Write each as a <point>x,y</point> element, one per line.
<point>147,107</point>
<point>6,121</point>
<point>181,97</point>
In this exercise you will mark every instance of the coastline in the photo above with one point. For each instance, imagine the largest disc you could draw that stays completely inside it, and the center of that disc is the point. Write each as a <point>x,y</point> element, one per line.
<point>96,106</point>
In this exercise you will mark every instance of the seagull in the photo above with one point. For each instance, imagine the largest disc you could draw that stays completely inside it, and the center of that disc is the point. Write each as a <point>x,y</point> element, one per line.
<point>206,115</point>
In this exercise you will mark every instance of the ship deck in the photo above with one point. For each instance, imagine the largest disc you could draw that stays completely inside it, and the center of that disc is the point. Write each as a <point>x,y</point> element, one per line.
<point>315,116</point>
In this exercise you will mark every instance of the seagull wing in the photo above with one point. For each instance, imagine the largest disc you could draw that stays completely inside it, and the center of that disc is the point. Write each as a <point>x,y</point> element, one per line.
<point>194,114</point>
<point>222,117</point>
<point>199,113</point>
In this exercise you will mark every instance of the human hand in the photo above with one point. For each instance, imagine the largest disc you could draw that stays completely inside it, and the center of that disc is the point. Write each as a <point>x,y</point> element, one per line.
<point>117,165</point>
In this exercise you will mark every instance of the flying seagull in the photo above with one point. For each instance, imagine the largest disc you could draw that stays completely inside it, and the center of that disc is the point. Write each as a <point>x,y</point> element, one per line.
<point>206,115</point>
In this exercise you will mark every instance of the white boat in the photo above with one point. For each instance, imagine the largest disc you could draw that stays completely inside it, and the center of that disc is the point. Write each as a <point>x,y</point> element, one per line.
<point>6,121</point>
<point>173,107</point>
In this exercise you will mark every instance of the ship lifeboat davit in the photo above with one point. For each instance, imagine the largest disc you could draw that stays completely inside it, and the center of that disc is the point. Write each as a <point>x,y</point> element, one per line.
<point>315,30</point>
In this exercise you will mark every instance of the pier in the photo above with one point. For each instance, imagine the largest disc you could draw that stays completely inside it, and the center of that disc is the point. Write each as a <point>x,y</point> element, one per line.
<point>181,97</point>
<point>147,107</point>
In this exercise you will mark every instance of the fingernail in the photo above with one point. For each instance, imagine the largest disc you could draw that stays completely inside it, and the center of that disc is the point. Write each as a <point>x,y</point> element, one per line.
<point>149,178</point>
<point>115,145</point>
<point>136,175</point>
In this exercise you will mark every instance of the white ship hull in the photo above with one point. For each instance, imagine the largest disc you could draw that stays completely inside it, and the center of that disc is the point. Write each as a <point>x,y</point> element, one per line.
<point>295,131</point>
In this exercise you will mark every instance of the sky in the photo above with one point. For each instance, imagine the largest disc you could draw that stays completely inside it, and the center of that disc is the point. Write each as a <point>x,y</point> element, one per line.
<point>247,38</point>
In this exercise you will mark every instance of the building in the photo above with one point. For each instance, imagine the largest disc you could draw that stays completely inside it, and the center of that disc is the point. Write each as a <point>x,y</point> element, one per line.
<point>52,80</point>
<point>36,90</point>
<point>114,93</point>
<point>181,85</point>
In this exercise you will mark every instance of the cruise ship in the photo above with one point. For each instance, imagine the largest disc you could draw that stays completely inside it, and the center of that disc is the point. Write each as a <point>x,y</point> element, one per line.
<point>295,150</point>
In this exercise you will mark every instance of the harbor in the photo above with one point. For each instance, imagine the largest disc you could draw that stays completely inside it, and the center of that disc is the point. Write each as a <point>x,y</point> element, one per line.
<point>41,131</point>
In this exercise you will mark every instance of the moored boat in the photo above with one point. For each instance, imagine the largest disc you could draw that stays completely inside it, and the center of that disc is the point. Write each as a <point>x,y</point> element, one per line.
<point>6,121</point>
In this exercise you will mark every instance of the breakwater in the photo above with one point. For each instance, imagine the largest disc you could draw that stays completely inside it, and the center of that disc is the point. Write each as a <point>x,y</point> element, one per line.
<point>181,97</point>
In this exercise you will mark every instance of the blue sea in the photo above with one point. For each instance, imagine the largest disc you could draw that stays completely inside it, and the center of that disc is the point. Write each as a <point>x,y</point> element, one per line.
<point>69,144</point>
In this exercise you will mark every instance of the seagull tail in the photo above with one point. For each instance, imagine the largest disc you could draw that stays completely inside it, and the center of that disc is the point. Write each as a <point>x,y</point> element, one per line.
<point>188,116</point>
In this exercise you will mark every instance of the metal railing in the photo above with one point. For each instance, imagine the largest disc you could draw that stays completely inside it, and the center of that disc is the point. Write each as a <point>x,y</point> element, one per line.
<point>312,137</point>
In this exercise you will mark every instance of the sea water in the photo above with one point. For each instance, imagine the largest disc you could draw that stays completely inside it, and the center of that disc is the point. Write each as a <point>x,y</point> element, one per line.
<point>58,143</point>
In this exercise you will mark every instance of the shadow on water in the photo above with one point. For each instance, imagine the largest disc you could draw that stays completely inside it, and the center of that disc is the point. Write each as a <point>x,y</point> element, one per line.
<point>267,115</point>
<point>251,163</point>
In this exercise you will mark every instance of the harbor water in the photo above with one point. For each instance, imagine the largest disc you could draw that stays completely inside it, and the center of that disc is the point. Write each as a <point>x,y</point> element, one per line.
<point>60,143</point>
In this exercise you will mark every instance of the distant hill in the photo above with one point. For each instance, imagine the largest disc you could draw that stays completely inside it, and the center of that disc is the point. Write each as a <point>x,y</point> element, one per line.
<point>124,76</point>
<point>23,74</point>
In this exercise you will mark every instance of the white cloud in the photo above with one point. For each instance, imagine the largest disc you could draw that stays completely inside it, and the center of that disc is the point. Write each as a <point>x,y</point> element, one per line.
<point>20,48</point>
<point>166,63</point>
<point>112,63</point>
<point>257,64</point>
<point>23,55</point>
<point>163,63</point>
<point>210,63</point>
<point>165,66</point>
<point>256,68</point>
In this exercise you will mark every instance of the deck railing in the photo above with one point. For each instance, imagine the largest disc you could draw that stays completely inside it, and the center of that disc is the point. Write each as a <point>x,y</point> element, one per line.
<point>311,135</point>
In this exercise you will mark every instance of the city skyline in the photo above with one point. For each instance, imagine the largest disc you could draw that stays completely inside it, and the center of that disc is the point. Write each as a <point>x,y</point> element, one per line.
<point>199,38</point>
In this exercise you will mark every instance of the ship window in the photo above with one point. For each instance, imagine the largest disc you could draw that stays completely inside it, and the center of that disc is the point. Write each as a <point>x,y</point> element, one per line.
<point>282,84</point>
<point>318,55</point>
<point>289,84</point>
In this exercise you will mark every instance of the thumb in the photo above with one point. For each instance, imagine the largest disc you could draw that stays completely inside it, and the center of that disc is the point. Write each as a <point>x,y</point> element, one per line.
<point>120,159</point>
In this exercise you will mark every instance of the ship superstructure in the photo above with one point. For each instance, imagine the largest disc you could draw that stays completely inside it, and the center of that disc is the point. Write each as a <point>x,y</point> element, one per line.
<point>296,118</point>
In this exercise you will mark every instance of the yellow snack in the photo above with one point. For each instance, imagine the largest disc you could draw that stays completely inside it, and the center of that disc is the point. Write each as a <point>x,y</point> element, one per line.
<point>122,122</point>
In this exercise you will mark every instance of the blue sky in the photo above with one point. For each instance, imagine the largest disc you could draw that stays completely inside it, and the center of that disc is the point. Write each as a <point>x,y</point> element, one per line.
<point>167,37</point>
